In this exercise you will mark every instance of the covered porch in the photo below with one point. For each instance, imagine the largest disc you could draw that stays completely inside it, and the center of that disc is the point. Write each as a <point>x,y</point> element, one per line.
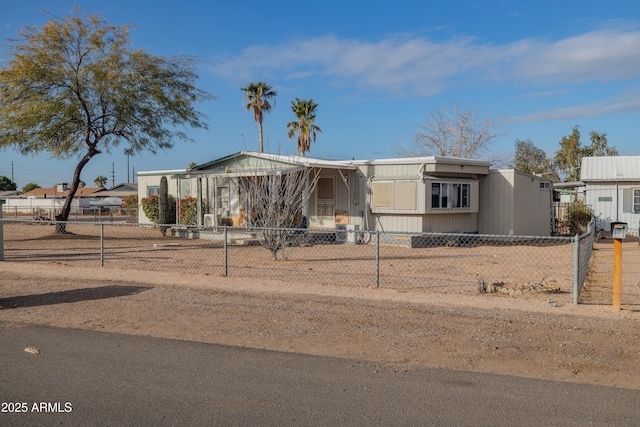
<point>220,189</point>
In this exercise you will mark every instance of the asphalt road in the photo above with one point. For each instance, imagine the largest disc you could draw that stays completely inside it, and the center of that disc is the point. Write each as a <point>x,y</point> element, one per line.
<point>92,378</point>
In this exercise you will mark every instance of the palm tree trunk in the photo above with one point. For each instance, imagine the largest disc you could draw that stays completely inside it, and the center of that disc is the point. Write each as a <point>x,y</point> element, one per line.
<point>260,147</point>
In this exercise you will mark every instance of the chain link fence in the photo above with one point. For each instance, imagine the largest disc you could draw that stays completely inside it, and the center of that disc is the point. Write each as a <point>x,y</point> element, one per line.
<point>450,263</point>
<point>583,246</point>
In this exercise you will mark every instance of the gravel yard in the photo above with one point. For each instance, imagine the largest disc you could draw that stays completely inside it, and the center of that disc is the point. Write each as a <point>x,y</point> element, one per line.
<point>531,334</point>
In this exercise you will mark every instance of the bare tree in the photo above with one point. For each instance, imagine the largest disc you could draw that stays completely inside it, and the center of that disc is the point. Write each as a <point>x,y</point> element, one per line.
<point>277,199</point>
<point>453,132</point>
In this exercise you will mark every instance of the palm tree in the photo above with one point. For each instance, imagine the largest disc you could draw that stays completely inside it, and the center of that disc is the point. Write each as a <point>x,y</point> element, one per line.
<point>101,181</point>
<point>257,96</point>
<point>304,126</point>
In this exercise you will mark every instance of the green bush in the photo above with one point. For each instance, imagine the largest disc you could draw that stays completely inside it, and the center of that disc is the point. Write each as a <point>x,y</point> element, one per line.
<point>150,207</point>
<point>579,216</point>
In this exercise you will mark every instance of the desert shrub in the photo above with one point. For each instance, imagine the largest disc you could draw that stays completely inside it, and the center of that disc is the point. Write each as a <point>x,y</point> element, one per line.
<point>579,216</point>
<point>151,208</point>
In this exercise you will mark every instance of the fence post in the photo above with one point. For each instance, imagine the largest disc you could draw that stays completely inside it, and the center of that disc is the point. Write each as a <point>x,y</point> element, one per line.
<point>226,265</point>
<point>576,268</point>
<point>1,233</point>
<point>377,259</point>
<point>101,245</point>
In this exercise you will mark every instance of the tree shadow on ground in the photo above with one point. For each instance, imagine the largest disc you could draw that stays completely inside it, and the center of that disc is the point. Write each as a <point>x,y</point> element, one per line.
<point>73,295</point>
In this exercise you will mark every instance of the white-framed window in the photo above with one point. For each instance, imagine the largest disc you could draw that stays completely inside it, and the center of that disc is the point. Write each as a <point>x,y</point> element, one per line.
<point>636,200</point>
<point>153,190</point>
<point>545,185</point>
<point>450,195</point>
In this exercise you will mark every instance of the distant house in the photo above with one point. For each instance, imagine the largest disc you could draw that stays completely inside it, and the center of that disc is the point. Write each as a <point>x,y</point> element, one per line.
<point>8,193</point>
<point>421,194</point>
<point>113,197</point>
<point>51,198</point>
<point>121,190</point>
<point>612,187</point>
<point>60,190</point>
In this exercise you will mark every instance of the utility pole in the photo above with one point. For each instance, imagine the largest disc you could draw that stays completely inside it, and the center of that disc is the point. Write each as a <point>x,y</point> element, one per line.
<point>128,152</point>
<point>113,174</point>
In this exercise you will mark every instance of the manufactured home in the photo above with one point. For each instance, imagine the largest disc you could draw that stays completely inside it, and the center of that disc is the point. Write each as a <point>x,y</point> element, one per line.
<point>421,194</point>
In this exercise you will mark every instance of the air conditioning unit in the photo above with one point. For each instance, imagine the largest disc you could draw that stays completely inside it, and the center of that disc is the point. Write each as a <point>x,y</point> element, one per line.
<point>347,233</point>
<point>352,234</point>
<point>209,220</point>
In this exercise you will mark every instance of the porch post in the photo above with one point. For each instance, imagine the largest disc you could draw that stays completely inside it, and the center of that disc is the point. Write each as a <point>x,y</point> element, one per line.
<point>1,232</point>
<point>305,195</point>
<point>199,201</point>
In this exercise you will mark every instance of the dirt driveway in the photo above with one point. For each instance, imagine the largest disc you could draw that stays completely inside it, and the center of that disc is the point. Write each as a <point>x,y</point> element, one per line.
<point>530,335</point>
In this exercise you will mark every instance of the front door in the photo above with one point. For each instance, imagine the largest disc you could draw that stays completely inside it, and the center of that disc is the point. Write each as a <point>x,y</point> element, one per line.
<point>325,209</point>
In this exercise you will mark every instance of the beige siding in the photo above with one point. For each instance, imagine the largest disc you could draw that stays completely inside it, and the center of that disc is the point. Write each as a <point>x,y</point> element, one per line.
<point>401,223</point>
<point>512,203</point>
<point>496,204</point>
<point>449,169</point>
<point>397,170</point>
<point>532,207</point>
<point>451,223</point>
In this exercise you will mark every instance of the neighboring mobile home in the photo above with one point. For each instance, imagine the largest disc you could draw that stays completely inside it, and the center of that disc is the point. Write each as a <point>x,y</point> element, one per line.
<point>612,187</point>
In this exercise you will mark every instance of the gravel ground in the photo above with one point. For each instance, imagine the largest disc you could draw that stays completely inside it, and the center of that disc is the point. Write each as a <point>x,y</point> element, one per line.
<point>537,335</point>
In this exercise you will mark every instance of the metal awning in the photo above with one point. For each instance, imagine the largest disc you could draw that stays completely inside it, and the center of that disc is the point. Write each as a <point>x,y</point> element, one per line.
<point>236,174</point>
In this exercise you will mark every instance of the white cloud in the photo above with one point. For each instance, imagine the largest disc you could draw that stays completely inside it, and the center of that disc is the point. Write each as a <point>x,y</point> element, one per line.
<point>620,104</point>
<point>596,56</point>
<point>405,66</point>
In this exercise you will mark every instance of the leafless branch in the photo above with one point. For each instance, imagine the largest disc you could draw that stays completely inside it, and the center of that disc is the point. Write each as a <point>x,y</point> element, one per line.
<point>277,198</point>
<point>453,132</point>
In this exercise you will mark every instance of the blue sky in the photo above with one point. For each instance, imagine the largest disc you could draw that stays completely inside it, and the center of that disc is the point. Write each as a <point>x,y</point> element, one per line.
<point>537,68</point>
